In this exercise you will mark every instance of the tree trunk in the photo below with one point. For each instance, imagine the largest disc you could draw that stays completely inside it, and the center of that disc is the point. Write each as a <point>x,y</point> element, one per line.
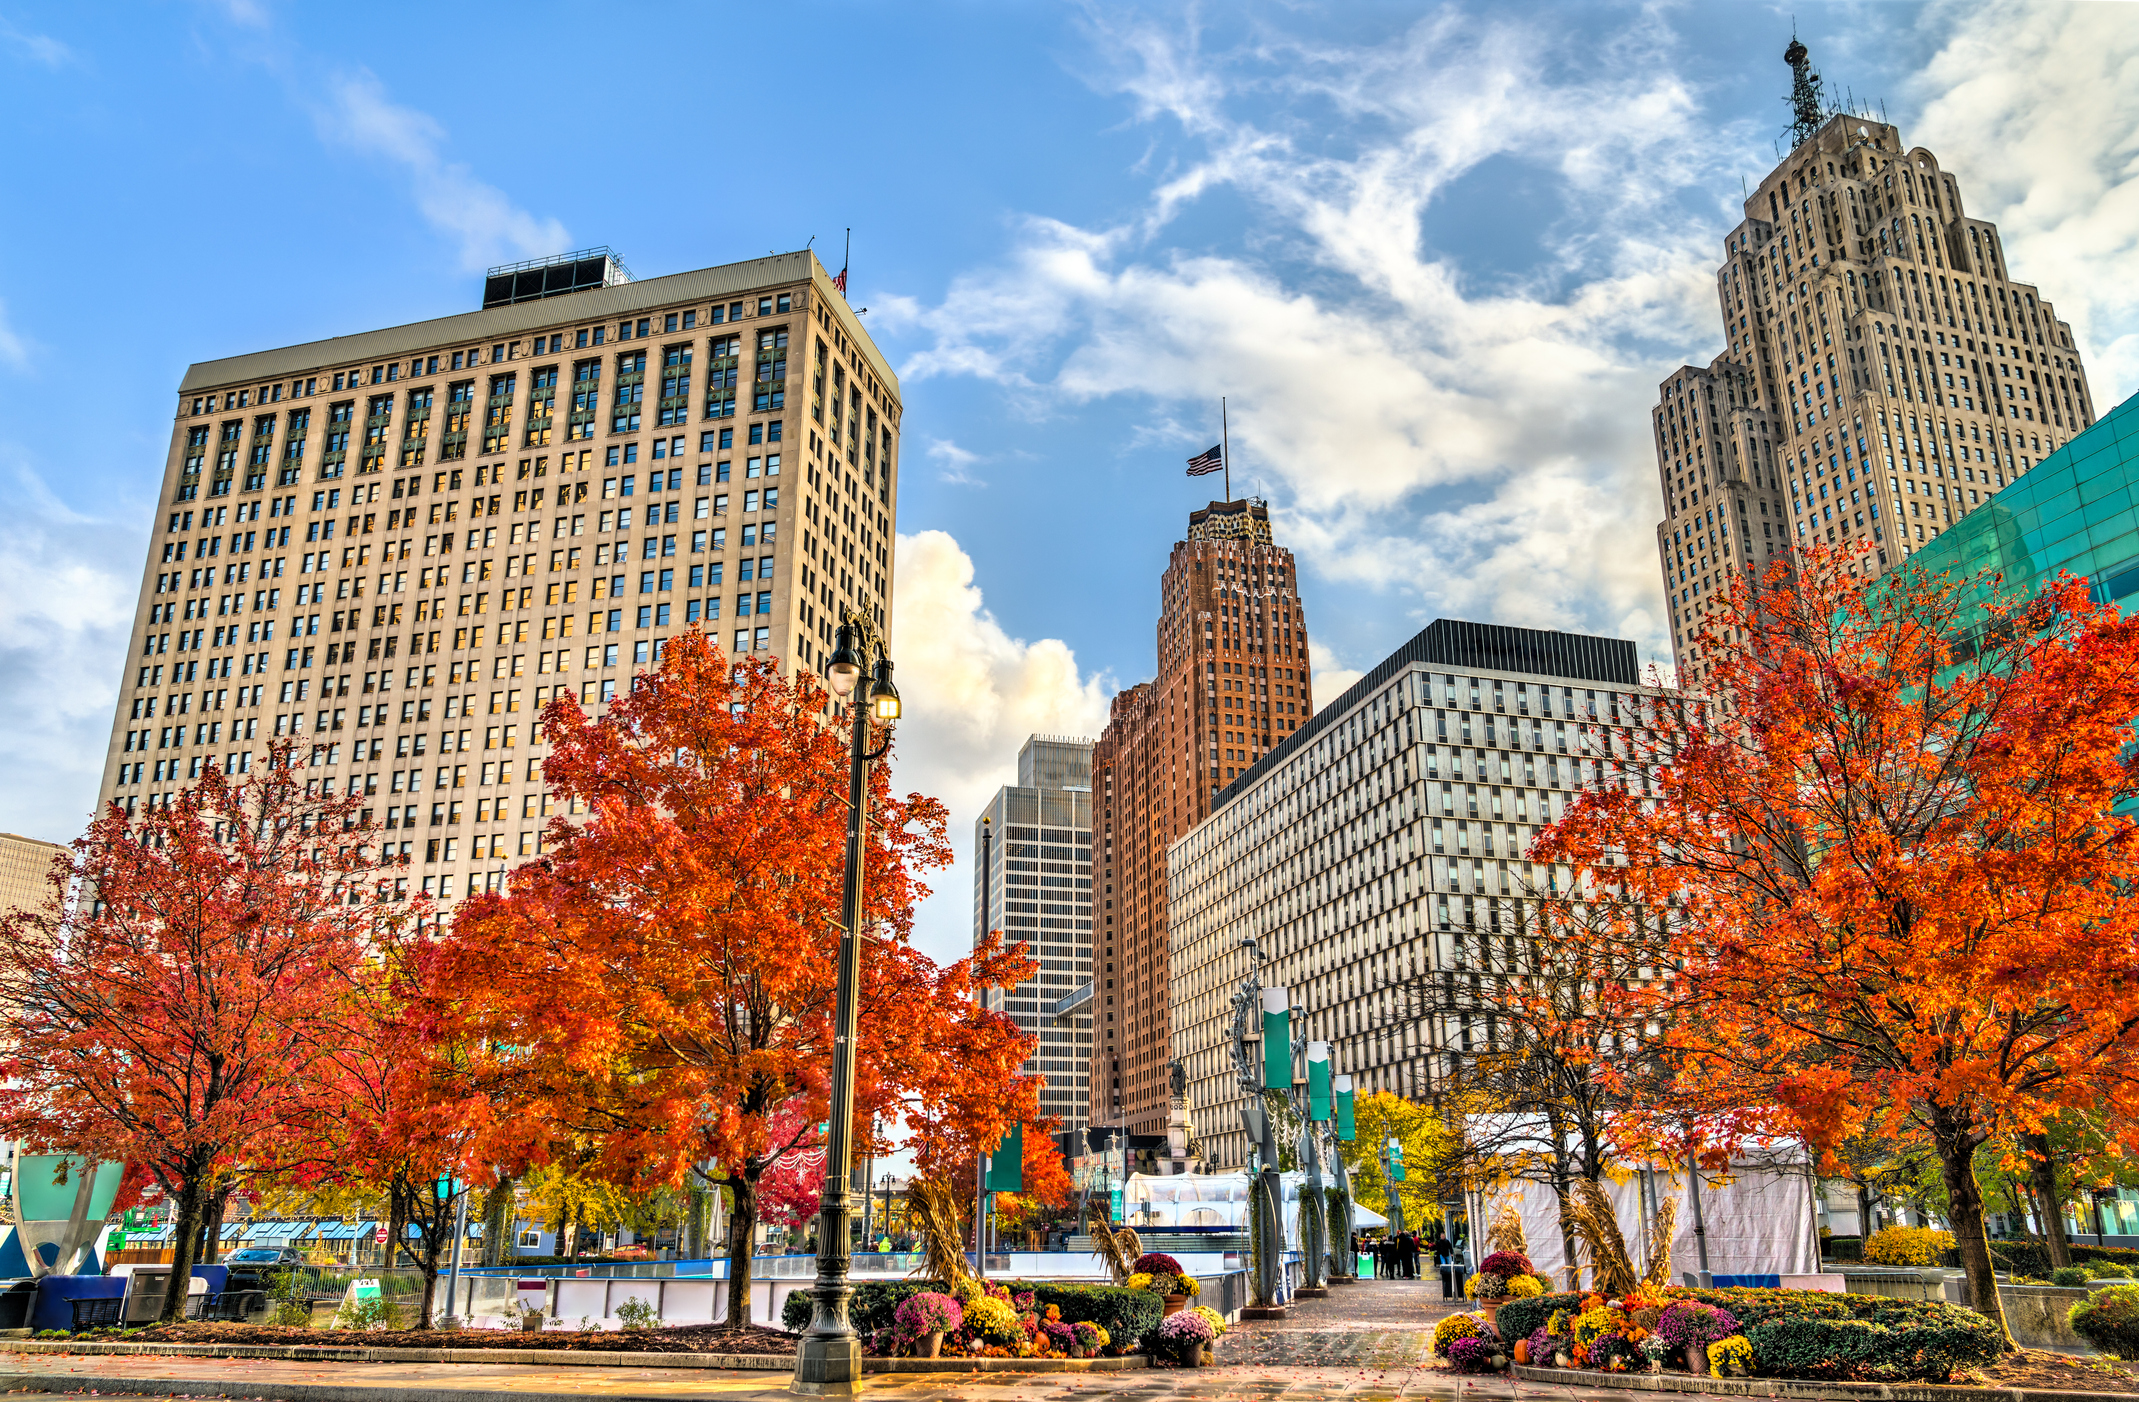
<point>1964,1199</point>
<point>497,1221</point>
<point>742,1239</point>
<point>1864,1209</point>
<point>2043,1169</point>
<point>396,1235</point>
<point>212,1221</point>
<point>188,1227</point>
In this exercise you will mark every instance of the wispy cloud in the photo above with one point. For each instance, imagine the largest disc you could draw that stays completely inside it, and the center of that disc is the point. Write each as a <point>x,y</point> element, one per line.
<point>956,462</point>
<point>1448,393</point>
<point>2035,109</point>
<point>358,113</point>
<point>14,350</point>
<point>38,48</point>
<point>72,581</point>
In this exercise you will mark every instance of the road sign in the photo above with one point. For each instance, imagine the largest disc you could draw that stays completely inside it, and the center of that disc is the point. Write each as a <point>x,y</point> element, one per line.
<point>378,1235</point>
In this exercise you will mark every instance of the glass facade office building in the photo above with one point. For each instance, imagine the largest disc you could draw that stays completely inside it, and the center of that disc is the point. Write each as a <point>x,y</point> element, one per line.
<point>2077,512</point>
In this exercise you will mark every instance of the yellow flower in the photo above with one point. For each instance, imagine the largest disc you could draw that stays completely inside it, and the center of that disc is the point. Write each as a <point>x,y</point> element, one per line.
<point>1733,1352</point>
<point>1525,1287</point>
<point>1189,1285</point>
<point>1140,1281</point>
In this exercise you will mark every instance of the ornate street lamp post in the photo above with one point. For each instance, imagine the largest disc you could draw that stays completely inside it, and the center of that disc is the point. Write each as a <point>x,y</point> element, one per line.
<point>828,1362</point>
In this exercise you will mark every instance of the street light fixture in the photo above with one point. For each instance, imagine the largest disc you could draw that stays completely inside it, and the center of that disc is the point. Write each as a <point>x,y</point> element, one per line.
<point>828,1360</point>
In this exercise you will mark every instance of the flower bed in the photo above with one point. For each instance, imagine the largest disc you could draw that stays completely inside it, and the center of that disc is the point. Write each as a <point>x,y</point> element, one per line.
<point>995,1320</point>
<point>1765,1333</point>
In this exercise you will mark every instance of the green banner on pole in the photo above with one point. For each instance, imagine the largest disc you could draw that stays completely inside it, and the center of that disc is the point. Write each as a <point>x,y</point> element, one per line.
<point>1277,1040</point>
<point>1006,1166</point>
<point>1396,1161</point>
<point>1345,1130</point>
<point>1318,1102</point>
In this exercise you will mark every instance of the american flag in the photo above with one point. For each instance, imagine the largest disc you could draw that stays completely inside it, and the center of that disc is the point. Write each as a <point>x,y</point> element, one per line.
<point>1206,462</point>
<point>840,282</point>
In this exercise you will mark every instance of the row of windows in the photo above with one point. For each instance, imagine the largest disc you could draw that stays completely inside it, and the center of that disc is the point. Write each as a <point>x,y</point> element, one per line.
<point>546,344</point>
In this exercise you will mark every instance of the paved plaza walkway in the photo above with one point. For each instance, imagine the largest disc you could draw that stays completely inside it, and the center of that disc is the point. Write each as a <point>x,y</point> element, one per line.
<point>1365,1343</point>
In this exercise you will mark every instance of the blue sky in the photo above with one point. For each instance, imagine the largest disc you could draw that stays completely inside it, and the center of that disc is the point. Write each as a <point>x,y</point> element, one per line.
<point>1438,257</point>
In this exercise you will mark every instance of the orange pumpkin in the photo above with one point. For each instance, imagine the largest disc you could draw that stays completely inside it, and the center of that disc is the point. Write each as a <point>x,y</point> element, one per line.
<point>1522,1350</point>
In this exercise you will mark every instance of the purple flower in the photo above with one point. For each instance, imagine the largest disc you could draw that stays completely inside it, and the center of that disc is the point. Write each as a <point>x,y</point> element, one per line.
<point>1692,1322</point>
<point>1472,1355</point>
<point>1541,1347</point>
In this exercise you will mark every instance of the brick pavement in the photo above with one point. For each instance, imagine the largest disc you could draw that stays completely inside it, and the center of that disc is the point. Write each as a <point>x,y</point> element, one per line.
<point>1365,1343</point>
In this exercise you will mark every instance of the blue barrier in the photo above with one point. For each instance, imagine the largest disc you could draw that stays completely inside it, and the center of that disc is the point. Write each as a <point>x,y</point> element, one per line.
<point>55,1293</point>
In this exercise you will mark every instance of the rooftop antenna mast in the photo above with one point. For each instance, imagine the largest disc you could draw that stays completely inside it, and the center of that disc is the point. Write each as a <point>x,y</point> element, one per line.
<point>1806,110</point>
<point>1225,448</point>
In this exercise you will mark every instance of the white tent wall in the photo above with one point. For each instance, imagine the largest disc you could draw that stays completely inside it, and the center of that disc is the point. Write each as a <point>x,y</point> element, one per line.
<point>1759,1222</point>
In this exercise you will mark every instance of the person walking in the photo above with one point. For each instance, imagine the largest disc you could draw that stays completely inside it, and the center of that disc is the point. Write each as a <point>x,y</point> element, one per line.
<point>1440,1249</point>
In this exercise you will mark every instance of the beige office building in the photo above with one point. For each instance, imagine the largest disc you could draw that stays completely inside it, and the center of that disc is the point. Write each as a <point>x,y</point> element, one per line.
<point>25,872</point>
<point>398,546</point>
<point>1884,374</point>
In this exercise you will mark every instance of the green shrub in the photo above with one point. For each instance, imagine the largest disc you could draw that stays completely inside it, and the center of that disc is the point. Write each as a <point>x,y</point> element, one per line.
<point>1842,1248</point>
<point>1519,1319</point>
<point>2112,1270</point>
<point>1127,1315</point>
<point>2033,1258</point>
<point>2109,1319</point>
<point>871,1309</point>
<point>1899,1338</point>
<point>1927,1349</point>
<point>2071,1275</point>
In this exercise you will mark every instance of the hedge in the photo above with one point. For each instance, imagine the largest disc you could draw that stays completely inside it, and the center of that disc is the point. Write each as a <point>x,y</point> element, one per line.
<point>1127,1315</point>
<point>2033,1257</point>
<point>1928,1349</point>
<point>870,1309</point>
<point>1871,1336</point>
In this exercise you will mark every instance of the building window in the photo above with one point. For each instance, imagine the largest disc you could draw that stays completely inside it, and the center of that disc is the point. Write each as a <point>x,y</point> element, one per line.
<point>630,392</point>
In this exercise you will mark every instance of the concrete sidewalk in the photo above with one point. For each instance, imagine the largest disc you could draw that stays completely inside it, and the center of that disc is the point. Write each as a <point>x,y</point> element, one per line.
<point>463,1382</point>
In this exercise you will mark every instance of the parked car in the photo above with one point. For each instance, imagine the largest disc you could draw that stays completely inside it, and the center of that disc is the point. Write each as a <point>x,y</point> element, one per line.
<point>255,1267</point>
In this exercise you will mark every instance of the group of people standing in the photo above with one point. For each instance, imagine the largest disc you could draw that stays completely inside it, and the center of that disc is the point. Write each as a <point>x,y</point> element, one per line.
<point>1398,1258</point>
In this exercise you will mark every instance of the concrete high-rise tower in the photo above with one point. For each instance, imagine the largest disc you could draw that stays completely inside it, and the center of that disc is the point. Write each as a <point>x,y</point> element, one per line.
<point>399,545</point>
<point>1232,683</point>
<point>1884,373</point>
<point>1036,886</point>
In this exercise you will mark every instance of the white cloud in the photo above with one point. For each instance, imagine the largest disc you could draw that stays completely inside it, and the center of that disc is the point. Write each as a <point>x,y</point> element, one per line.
<point>972,695</point>
<point>14,350</point>
<point>956,462</point>
<point>1471,440</point>
<point>490,228</point>
<point>71,583</point>
<point>38,48</point>
<point>2035,111</point>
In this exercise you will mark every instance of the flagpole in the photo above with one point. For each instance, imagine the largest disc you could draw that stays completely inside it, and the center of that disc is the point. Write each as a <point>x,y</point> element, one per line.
<point>1225,449</point>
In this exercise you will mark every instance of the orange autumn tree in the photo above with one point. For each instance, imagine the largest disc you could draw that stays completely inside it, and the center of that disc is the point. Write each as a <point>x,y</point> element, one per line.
<point>170,1005</point>
<point>660,984</point>
<point>1887,852</point>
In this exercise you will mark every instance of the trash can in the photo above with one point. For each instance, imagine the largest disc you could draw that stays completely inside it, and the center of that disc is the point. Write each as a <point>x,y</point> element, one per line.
<point>16,1297</point>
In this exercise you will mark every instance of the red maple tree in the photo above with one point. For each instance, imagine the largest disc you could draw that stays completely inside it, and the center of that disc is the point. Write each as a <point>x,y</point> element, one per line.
<point>1888,862</point>
<point>168,1006</point>
<point>661,982</point>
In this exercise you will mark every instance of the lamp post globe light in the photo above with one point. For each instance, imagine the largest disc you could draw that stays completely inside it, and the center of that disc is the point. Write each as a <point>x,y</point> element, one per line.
<point>828,1361</point>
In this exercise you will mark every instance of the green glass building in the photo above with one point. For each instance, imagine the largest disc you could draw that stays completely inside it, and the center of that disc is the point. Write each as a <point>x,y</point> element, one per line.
<point>2076,512</point>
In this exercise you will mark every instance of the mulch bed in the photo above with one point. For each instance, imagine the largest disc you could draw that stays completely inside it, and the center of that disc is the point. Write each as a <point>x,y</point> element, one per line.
<point>2034,1368</point>
<point>699,1338</point>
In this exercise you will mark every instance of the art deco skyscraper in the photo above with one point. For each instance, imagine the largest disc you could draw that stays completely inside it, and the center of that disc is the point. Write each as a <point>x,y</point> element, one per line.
<point>397,546</point>
<point>1884,375</point>
<point>1232,682</point>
